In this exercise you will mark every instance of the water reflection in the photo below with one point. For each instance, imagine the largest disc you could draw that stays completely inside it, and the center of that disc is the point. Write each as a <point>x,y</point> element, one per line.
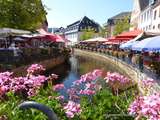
<point>79,65</point>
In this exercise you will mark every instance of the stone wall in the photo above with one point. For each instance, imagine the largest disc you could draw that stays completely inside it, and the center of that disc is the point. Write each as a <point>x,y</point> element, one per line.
<point>128,70</point>
<point>48,64</point>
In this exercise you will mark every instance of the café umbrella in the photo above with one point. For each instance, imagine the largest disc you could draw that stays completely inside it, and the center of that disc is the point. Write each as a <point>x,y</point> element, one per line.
<point>129,44</point>
<point>148,44</point>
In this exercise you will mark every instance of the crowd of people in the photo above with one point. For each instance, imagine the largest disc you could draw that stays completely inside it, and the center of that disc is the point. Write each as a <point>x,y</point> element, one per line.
<point>139,59</point>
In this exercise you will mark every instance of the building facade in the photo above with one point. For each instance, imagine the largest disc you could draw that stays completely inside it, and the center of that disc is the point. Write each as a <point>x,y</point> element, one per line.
<point>148,16</point>
<point>74,31</point>
<point>111,23</point>
<point>156,17</point>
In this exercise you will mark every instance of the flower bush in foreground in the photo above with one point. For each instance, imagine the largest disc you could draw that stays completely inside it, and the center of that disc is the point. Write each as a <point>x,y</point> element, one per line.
<point>28,85</point>
<point>146,106</point>
<point>87,99</point>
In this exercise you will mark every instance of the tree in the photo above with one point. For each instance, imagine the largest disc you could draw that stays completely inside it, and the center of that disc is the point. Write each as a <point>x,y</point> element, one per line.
<point>103,31</point>
<point>121,26</point>
<point>87,34</point>
<point>22,14</point>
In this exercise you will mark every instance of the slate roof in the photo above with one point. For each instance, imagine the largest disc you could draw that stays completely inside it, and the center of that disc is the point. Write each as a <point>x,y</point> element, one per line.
<point>121,15</point>
<point>77,22</point>
<point>143,4</point>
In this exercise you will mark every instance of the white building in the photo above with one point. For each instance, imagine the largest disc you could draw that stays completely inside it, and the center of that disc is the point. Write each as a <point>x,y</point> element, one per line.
<point>74,31</point>
<point>147,15</point>
<point>156,17</point>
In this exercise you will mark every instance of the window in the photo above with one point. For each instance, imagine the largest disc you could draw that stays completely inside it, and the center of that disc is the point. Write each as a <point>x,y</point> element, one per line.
<point>144,16</point>
<point>155,12</point>
<point>158,26</point>
<point>153,27</point>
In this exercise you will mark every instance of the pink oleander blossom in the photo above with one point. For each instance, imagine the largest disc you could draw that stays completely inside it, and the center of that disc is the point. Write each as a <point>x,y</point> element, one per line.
<point>35,68</point>
<point>72,109</point>
<point>58,87</point>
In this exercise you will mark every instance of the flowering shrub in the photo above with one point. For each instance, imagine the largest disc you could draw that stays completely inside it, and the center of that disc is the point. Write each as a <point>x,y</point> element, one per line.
<point>72,108</point>
<point>146,106</point>
<point>87,99</point>
<point>147,85</point>
<point>35,69</point>
<point>58,87</point>
<point>29,84</point>
<point>117,81</point>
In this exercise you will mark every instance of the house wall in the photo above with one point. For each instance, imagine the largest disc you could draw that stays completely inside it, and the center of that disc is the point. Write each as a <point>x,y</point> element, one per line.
<point>135,15</point>
<point>156,19</point>
<point>145,20</point>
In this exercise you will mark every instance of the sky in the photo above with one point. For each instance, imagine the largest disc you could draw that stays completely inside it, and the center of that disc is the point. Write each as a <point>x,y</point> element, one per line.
<point>64,12</point>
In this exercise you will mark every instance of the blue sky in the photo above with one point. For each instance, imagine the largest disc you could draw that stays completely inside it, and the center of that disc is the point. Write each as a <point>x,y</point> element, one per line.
<point>64,12</point>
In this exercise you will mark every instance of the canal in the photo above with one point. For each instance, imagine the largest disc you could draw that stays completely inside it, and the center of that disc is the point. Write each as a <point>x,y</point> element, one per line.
<point>79,65</point>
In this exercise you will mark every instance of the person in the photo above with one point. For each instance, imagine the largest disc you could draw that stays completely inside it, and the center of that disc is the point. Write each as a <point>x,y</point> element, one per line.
<point>141,62</point>
<point>16,51</point>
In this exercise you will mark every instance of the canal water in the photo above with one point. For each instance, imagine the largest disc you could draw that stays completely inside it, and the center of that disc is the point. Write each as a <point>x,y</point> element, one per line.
<point>79,65</point>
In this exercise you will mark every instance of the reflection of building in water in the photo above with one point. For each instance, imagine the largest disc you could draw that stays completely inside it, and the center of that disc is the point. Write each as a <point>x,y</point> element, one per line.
<point>74,64</point>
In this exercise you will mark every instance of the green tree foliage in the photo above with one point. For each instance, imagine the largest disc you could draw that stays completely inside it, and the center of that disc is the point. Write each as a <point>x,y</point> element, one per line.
<point>103,31</point>
<point>22,14</point>
<point>121,26</point>
<point>87,34</point>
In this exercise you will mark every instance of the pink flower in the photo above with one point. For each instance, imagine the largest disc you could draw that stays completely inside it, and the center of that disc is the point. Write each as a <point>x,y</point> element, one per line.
<point>34,68</point>
<point>148,83</point>
<point>72,109</point>
<point>61,98</point>
<point>3,89</point>
<point>58,87</point>
<point>90,85</point>
<point>54,76</point>
<point>116,77</point>
<point>77,82</point>
<point>69,114</point>
<point>97,72</point>
<point>87,92</point>
<point>147,106</point>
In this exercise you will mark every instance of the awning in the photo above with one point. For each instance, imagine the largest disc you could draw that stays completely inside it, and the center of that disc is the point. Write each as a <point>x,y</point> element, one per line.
<point>10,31</point>
<point>128,44</point>
<point>50,36</point>
<point>116,40</point>
<point>111,43</point>
<point>148,44</point>
<point>130,34</point>
<point>98,39</point>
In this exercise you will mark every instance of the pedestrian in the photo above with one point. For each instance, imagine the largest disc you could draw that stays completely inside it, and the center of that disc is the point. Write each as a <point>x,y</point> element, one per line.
<point>141,65</point>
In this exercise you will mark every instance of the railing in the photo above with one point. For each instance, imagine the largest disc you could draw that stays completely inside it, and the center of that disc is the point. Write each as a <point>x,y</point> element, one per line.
<point>123,59</point>
<point>45,109</point>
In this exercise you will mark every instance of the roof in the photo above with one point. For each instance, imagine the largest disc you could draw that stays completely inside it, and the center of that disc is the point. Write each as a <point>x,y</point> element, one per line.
<point>98,39</point>
<point>133,33</point>
<point>143,4</point>
<point>77,22</point>
<point>121,15</point>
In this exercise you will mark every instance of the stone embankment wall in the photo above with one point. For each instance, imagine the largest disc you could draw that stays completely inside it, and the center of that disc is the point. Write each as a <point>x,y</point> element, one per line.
<point>128,70</point>
<point>48,64</point>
